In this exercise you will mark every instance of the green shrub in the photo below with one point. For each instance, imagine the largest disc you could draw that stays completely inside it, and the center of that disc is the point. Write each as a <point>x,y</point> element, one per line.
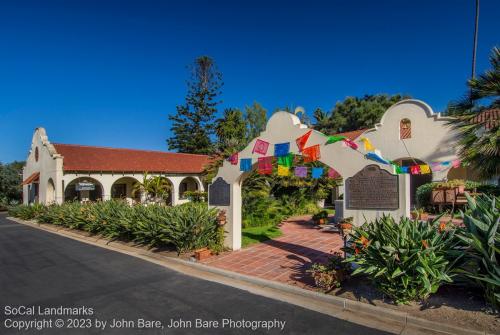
<point>408,260</point>
<point>423,195</point>
<point>192,226</point>
<point>320,215</point>
<point>186,227</point>
<point>196,196</point>
<point>481,237</point>
<point>26,212</point>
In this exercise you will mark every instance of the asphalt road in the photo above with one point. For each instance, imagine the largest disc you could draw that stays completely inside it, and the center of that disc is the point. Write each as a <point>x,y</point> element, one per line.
<point>39,270</point>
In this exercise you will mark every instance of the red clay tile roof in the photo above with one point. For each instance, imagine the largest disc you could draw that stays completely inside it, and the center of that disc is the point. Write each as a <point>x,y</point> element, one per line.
<point>33,178</point>
<point>352,135</point>
<point>88,158</point>
<point>489,117</point>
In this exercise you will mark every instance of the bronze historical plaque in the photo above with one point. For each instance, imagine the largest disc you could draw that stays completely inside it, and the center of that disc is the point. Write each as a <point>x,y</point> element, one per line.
<point>218,193</point>
<point>372,188</point>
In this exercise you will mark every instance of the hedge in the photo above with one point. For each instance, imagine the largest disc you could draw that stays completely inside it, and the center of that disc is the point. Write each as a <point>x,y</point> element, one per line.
<point>185,227</point>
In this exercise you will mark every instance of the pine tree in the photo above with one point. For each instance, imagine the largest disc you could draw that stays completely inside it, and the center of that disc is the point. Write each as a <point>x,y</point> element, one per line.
<point>193,125</point>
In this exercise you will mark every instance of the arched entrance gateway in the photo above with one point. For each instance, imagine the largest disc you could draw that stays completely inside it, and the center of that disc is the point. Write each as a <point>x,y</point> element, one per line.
<point>371,187</point>
<point>83,189</point>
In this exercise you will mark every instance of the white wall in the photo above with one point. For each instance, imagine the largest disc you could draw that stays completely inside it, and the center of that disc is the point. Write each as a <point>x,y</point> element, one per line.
<point>431,138</point>
<point>49,165</point>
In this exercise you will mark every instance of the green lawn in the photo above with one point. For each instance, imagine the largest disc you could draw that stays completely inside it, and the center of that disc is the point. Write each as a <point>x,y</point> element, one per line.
<point>259,234</point>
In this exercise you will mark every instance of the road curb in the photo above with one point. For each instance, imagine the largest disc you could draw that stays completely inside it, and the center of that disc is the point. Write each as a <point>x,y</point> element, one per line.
<point>381,313</point>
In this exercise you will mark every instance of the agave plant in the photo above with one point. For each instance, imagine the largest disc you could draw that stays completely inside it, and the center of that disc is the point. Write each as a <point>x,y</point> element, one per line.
<point>408,260</point>
<point>482,240</point>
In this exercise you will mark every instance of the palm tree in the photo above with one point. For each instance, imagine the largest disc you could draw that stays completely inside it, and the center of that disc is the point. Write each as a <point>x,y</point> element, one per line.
<point>478,124</point>
<point>156,189</point>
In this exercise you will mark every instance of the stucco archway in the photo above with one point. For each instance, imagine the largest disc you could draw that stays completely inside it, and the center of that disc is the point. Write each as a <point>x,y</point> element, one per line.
<point>80,189</point>
<point>285,127</point>
<point>123,188</point>
<point>188,184</point>
<point>416,180</point>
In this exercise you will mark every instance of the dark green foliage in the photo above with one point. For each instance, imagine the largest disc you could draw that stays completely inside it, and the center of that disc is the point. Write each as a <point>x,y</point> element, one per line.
<point>193,125</point>
<point>480,145</point>
<point>355,113</point>
<point>481,238</point>
<point>231,132</point>
<point>256,119</point>
<point>10,183</point>
<point>185,227</point>
<point>25,212</point>
<point>408,260</point>
<point>196,196</point>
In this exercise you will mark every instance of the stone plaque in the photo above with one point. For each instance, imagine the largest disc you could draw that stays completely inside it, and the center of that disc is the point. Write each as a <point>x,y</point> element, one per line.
<point>372,188</point>
<point>218,193</point>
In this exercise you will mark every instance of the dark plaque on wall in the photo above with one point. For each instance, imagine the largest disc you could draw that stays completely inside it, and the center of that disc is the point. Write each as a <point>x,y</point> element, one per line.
<point>218,193</point>
<point>372,188</point>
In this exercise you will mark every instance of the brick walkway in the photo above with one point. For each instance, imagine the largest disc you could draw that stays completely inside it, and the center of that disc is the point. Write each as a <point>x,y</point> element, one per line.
<point>284,259</point>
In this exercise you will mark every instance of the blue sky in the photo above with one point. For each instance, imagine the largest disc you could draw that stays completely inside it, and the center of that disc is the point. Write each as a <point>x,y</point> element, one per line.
<point>109,72</point>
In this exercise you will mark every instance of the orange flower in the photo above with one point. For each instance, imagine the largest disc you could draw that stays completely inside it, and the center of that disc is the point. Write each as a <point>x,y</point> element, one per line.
<point>364,241</point>
<point>425,244</point>
<point>442,227</point>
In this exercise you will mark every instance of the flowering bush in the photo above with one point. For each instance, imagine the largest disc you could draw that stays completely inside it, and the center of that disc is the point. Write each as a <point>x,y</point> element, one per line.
<point>408,260</point>
<point>330,275</point>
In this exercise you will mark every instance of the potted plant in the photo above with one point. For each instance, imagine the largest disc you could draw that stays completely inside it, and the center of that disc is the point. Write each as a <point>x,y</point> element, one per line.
<point>320,217</point>
<point>346,223</point>
<point>331,275</point>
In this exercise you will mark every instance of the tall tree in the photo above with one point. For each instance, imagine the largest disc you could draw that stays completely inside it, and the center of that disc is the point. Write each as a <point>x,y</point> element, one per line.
<point>256,118</point>
<point>356,113</point>
<point>231,131</point>
<point>476,119</point>
<point>10,182</point>
<point>193,125</point>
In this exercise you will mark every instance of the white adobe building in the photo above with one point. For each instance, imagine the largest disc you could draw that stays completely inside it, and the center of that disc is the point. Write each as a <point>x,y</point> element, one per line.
<point>55,173</point>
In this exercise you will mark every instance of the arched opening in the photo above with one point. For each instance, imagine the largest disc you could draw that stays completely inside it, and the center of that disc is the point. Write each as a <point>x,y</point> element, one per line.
<point>124,189</point>
<point>404,129</point>
<point>153,189</point>
<point>416,180</point>
<point>50,194</point>
<point>83,189</point>
<point>188,184</point>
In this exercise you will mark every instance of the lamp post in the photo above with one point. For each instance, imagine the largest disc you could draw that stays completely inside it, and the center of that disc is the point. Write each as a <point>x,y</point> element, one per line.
<point>475,41</point>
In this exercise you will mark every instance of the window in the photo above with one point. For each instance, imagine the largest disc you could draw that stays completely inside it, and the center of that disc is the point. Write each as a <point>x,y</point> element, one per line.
<point>405,129</point>
<point>36,154</point>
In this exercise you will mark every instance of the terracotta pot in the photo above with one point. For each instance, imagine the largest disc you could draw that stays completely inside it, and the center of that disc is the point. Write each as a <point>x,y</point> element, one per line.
<point>201,254</point>
<point>321,221</point>
<point>424,216</point>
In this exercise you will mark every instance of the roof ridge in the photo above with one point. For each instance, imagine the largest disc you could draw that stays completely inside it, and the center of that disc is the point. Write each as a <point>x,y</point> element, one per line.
<point>129,149</point>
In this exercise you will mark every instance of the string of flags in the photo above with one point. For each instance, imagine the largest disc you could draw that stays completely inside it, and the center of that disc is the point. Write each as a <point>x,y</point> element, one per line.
<point>285,158</point>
